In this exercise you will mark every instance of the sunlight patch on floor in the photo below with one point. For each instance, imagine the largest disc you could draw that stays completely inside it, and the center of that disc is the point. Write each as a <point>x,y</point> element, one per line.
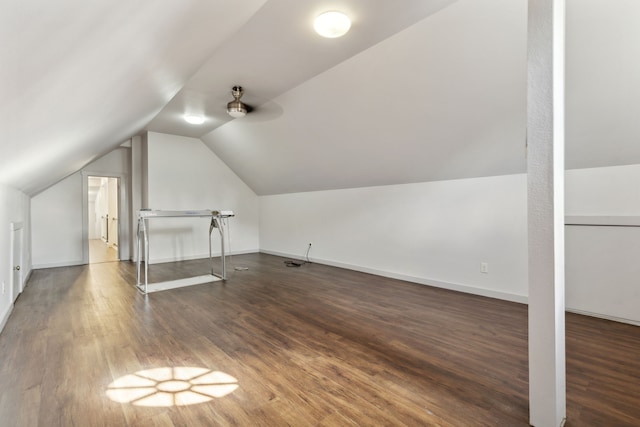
<point>171,386</point>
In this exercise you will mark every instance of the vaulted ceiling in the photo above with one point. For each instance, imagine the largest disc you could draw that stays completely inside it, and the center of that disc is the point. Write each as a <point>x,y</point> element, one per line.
<point>418,90</point>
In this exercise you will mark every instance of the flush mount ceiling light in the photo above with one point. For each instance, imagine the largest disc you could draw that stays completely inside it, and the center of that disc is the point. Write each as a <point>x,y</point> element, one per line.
<point>332,24</point>
<point>237,108</point>
<point>193,119</point>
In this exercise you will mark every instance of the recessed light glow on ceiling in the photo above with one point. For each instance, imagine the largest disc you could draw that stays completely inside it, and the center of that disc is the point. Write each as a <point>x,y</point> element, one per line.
<point>193,119</point>
<point>332,24</point>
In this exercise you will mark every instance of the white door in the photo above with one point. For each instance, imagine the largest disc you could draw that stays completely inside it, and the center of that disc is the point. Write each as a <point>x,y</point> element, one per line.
<point>16,259</point>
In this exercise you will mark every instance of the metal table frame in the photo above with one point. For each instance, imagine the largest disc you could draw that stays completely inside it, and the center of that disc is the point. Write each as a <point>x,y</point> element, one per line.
<point>142,239</point>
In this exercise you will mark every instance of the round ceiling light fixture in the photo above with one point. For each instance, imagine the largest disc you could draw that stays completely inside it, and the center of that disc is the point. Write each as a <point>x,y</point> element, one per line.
<point>193,119</point>
<point>332,24</point>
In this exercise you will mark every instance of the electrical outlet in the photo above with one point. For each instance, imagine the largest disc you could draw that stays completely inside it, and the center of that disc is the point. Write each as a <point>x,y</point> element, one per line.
<point>484,267</point>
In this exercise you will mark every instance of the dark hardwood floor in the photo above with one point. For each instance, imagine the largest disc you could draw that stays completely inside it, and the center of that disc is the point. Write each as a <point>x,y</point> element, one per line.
<point>278,346</point>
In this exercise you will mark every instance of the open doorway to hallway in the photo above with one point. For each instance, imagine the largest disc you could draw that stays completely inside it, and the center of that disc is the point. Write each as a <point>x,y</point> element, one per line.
<point>103,223</point>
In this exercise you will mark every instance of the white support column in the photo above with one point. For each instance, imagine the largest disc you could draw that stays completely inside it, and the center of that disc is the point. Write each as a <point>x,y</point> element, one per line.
<point>545,170</point>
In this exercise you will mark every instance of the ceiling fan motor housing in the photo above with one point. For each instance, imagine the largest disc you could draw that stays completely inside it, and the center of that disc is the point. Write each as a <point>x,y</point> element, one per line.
<point>237,108</point>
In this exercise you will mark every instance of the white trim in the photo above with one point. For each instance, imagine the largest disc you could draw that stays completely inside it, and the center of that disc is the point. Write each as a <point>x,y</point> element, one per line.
<point>5,318</point>
<point>124,232</point>
<point>26,278</point>
<point>58,264</point>
<point>620,221</point>
<point>507,296</point>
<point>604,316</point>
<point>15,227</point>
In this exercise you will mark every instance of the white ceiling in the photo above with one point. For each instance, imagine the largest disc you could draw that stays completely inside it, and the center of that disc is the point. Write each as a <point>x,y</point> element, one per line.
<point>443,99</point>
<point>418,90</point>
<point>276,50</point>
<point>79,77</point>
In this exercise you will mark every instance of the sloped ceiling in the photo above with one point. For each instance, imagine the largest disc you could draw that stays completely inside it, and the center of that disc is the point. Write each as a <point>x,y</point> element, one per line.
<point>418,90</point>
<point>79,77</point>
<point>443,99</point>
<point>276,51</point>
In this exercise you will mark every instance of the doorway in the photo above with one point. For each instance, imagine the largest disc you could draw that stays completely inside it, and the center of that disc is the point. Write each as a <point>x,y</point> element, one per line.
<point>103,218</point>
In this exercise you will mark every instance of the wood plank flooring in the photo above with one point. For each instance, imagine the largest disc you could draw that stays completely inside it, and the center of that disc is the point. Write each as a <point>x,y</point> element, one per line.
<point>99,251</point>
<point>308,346</point>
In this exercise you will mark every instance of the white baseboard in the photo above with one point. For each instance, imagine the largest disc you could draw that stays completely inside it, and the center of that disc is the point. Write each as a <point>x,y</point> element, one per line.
<point>5,317</point>
<point>420,280</point>
<point>26,278</point>
<point>604,316</point>
<point>57,264</point>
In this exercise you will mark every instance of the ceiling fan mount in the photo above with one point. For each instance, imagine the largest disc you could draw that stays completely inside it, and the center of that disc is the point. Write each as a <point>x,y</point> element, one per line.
<point>237,108</point>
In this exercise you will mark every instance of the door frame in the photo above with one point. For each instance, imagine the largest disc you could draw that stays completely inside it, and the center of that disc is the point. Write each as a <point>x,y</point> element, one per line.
<point>16,228</point>
<point>124,243</point>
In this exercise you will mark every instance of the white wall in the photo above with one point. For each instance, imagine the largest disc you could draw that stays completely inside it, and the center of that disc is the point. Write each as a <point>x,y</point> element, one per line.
<point>56,214</point>
<point>603,191</point>
<point>137,183</point>
<point>602,268</point>
<point>434,233</point>
<point>14,207</point>
<point>183,174</point>
<point>180,173</point>
<point>603,271</point>
<point>437,233</point>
